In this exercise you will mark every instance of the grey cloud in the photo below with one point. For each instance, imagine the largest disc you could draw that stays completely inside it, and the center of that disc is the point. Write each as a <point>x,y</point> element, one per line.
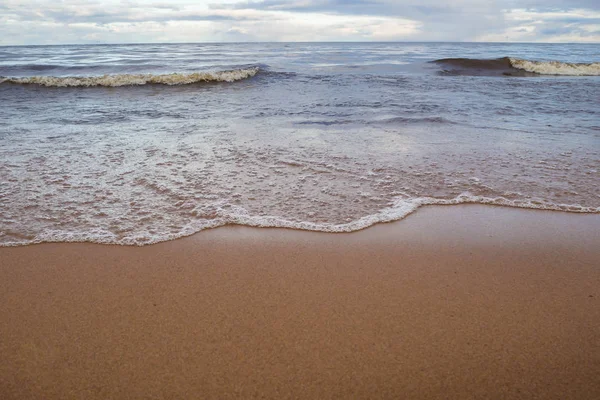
<point>341,6</point>
<point>107,18</point>
<point>439,20</point>
<point>387,7</point>
<point>96,13</point>
<point>344,7</point>
<point>571,20</point>
<point>548,5</point>
<point>456,20</point>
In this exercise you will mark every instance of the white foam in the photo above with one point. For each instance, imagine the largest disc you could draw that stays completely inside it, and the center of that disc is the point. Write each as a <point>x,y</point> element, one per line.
<point>221,216</point>
<point>557,67</point>
<point>135,79</point>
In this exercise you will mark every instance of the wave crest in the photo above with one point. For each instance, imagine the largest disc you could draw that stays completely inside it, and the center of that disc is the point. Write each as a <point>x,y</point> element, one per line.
<point>557,67</point>
<point>511,66</point>
<point>135,79</point>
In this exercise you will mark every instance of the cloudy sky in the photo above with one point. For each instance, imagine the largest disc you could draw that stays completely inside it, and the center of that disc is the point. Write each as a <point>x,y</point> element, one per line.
<point>139,21</point>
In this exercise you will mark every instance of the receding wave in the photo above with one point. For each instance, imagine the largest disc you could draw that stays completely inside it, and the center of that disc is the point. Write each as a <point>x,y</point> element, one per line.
<point>135,79</point>
<point>515,67</point>
<point>398,210</point>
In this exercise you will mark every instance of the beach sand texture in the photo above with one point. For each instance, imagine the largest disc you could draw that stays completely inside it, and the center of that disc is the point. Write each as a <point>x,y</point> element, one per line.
<point>454,302</point>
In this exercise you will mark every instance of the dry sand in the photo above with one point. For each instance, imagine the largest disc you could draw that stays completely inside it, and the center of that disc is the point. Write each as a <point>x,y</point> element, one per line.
<point>453,302</point>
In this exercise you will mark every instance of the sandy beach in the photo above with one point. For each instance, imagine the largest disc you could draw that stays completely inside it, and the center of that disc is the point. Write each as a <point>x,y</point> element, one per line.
<point>454,302</point>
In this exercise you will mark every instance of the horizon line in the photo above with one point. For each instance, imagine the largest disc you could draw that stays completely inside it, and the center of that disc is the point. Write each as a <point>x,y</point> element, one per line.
<point>291,42</point>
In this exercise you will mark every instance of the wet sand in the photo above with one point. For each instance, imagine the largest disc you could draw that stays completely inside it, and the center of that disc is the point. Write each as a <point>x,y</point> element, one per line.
<point>452,302</point>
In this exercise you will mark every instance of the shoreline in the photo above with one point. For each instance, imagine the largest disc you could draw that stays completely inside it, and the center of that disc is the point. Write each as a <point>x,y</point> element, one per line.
<point>468,301</point>
<point>386,216</point>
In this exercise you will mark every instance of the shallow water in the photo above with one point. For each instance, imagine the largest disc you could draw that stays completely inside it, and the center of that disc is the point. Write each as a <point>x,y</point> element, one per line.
<point>143,143</point>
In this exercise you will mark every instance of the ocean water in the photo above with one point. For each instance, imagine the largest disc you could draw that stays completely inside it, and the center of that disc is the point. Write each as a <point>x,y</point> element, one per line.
<point>136,144</point>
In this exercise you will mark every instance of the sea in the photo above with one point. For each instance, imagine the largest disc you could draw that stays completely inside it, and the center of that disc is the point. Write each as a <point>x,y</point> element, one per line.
<point>143,143</point>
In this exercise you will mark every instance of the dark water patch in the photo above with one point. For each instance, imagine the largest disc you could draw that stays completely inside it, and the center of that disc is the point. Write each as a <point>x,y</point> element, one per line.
<point>480,67</point>
<point>329,122</point>
<point>387,121</point>
<point>417,120</point>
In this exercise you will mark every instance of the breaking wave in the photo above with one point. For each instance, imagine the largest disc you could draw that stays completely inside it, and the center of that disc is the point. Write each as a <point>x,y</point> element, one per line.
<point>515,67</point>
<point>135,79</point>
<point>557,67</point>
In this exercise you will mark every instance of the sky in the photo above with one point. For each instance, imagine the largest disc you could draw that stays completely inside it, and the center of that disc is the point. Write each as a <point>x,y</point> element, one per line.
<point>26,22</point>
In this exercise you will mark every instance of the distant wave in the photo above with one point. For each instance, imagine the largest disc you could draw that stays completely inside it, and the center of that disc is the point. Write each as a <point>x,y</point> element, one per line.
<point>134,79</point>
<point>516,67</point>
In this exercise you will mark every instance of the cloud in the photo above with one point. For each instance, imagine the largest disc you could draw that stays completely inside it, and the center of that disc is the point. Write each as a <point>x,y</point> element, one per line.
<point>575,25</point>
<point>460,20</point>
<point>106,13</point>
<point>111,21</point>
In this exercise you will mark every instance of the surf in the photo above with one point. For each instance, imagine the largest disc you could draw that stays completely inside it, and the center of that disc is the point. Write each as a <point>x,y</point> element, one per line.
<point>510,66</point>
<point>134,79</point>
<point>556,67</point>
